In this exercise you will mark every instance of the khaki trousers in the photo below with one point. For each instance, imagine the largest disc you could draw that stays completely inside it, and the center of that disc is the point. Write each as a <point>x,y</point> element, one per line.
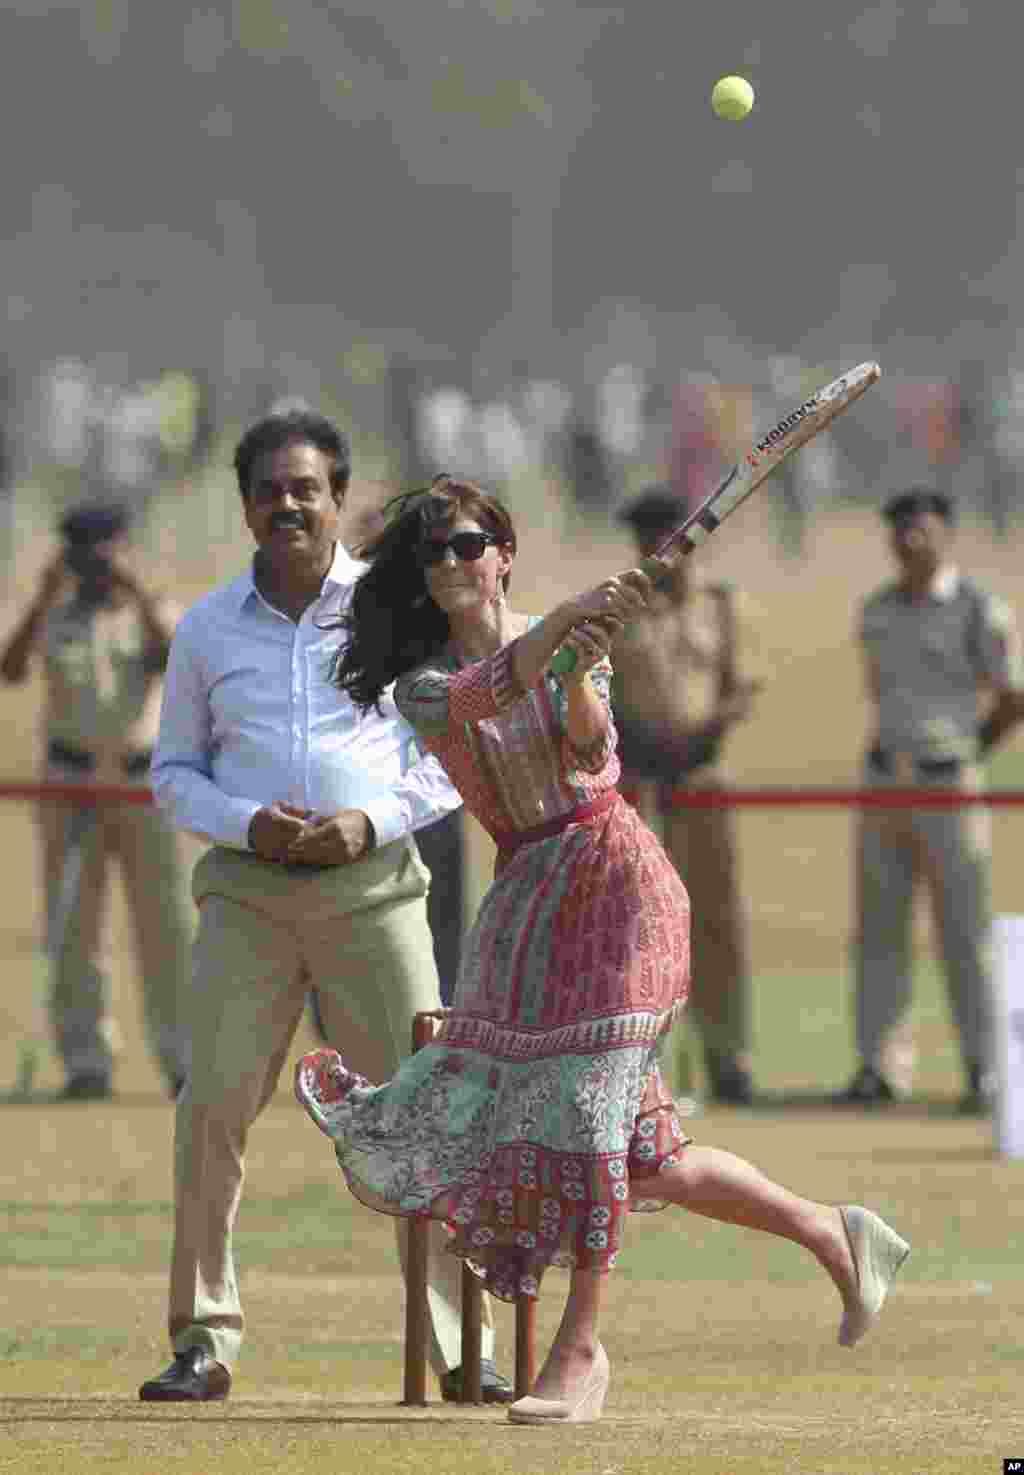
<point>442,849</point>
<point>267,934</point>
<point>155,883</point>
<point>702,846</point>
<point>950,851</point>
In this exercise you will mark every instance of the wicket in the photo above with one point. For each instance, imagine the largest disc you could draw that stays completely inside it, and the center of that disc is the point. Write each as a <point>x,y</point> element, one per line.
<point>424,1026</point>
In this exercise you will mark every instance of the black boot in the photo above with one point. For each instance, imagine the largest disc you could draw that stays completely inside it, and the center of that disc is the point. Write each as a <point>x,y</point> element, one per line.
<point>868,1088</point>
<point>728,1081</point>
<point>979,1097</point>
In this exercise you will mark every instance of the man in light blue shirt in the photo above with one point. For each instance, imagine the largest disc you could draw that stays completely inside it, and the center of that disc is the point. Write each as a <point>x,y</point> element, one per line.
<point>312,881</point>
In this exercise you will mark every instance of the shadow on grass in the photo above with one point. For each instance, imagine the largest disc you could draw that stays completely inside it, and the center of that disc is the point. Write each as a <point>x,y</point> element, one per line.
<point>54,1098</point>
<point>979,1154</point>
<point>939,1106</point>
<point>70,1411</point>
<point>920,1108</point>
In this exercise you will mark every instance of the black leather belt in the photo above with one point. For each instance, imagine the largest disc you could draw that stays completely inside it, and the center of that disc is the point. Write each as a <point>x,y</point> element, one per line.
<point>647,752</point>
<point>132,766</point>
<point>881,762</point>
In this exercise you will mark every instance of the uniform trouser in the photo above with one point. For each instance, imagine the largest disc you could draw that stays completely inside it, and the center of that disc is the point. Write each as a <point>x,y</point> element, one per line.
<point>702,845</point>
<point>441,847</point>
<point>267,934</point>
<point>156,889</point>
<point>950,850</point>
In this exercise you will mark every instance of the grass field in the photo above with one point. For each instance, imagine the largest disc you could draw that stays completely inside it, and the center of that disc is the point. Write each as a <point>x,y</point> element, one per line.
<point>722,1342</point>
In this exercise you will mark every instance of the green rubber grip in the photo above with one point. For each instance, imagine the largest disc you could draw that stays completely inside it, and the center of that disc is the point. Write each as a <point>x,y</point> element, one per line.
<point>564,659</point>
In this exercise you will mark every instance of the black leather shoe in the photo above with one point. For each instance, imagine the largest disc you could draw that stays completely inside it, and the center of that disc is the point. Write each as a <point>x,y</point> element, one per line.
<point>493,1387</point>
<point>193,1377</point>
<point>87,1087</point>
<point>868,1088</point>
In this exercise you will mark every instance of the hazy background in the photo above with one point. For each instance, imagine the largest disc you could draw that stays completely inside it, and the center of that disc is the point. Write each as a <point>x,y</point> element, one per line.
<point>510,238</point>
<point>362,203</point>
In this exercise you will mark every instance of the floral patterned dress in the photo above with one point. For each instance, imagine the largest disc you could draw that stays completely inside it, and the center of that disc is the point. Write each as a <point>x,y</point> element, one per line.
<point>532,1121</point>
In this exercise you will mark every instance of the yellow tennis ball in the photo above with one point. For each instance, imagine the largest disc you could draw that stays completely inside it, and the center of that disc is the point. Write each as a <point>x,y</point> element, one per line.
<point>732,98</point>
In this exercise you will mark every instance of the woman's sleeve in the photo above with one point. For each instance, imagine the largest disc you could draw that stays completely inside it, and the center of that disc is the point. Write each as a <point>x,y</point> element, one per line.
<point>595,758</point>
<point>434,701</point>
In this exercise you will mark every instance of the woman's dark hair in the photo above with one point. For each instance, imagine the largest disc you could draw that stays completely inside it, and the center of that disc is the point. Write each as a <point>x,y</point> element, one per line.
<point>392,624</point>
<point>288,427</point>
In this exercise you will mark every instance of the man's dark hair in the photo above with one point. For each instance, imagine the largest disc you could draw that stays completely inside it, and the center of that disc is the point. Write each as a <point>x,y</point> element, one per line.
<point>94,522</point>
<point>905,506</point>
<point>285,428</point>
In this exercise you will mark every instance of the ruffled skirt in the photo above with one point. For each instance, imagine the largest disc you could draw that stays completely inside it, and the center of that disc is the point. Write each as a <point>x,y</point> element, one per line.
<point>534,1120</point>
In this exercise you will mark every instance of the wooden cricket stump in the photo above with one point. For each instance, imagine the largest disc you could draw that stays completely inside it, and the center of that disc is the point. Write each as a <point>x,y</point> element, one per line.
<point>417,1329</point>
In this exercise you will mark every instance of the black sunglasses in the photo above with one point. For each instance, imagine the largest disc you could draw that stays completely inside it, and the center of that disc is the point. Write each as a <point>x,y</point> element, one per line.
<point>467,547</point>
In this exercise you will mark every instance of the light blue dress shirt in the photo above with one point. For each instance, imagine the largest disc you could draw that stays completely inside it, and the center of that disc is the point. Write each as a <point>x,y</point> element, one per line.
<point>251,717</point>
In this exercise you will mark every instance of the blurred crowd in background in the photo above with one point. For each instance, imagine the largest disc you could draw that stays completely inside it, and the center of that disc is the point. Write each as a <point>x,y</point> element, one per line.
<point>509,236</point>
<point>72,433</point>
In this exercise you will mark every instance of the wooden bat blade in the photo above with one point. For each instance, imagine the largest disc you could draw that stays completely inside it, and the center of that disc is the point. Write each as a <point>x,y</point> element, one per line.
<point>767,454</point>
<point>764,456</point>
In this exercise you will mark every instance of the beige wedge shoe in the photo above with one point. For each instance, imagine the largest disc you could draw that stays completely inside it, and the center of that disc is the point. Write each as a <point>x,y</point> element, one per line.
<point>585,1408</point>
<point>878,1252</point>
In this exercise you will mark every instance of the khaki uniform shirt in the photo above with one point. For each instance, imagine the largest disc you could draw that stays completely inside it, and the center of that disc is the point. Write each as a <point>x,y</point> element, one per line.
<point>930,660</point>
<point>101,698</point>
<point>673,666</point>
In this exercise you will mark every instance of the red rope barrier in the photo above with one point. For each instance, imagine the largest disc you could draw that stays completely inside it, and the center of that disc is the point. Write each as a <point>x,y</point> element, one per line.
<point>829,797</point>
<point>835,798</point>
<point>86,795</point>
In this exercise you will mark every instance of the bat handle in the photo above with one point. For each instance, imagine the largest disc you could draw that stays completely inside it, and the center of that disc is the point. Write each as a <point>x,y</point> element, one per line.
<point>563,662</point>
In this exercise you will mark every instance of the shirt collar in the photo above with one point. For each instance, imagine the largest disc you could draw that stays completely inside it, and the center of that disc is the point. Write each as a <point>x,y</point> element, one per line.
<point>342,574</point>
<point>944,587</point>
<point>946,583</point>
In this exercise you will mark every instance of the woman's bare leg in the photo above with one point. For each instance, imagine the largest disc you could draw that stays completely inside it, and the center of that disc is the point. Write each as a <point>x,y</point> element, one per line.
<point>572,1353</point>
<point>721,1186</point>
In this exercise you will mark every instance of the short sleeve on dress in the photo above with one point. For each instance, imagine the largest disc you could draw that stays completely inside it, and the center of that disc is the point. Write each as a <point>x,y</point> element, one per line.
<point>421,697</point>
<point>433,699</point>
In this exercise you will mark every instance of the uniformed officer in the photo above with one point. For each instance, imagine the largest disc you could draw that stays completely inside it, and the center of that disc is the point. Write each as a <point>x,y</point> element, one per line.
<point>104,640</point>
<point>680,686</point>
<point>943,671</point>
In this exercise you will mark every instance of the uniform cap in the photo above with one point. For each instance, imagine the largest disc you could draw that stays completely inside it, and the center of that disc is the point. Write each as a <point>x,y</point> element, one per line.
<point>909,504</point>
<point>94,522</point>
<point>656,509</point>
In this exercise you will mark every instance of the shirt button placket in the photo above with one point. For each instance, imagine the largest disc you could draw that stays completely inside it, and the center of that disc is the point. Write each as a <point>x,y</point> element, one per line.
<point>298,767</point>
